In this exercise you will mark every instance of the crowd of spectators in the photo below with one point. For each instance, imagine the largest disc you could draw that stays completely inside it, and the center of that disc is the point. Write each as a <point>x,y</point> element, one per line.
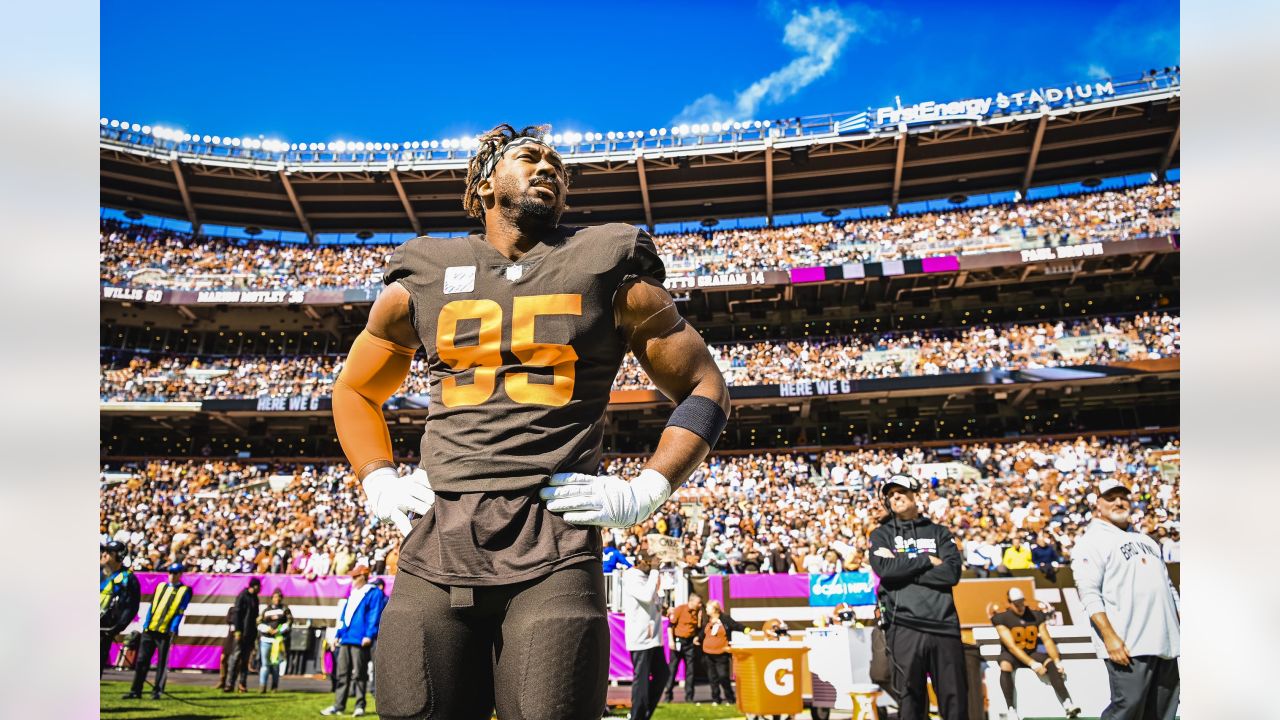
<point>146,257</point>
<point>1093,217</point>
<point>1012,504</point>
<point>140,256</point>
<point>1098,340</point>
<point>224,516</point>
<point>177,378</point>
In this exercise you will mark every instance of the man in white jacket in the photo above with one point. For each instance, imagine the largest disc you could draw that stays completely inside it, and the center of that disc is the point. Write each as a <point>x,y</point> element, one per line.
<point>1126,591</point>
<point>643,629</point>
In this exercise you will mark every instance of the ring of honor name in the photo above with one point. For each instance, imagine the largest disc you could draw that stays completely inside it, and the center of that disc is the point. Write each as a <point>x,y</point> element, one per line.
<point>1131,549</point>
<point>915,546</point>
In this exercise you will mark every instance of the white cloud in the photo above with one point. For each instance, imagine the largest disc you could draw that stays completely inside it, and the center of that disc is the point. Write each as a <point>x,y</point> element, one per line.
<point>1097,72</point>
<point>819,34</point>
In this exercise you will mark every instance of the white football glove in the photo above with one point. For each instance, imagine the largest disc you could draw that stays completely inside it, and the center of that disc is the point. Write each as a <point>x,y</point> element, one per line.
<point>392,496</point>
<point>604,499</point>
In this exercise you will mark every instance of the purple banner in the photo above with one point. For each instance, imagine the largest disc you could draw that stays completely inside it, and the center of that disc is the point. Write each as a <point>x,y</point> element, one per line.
<point>715,589</point>
<point>947,263</point>
<point>753,585</point>
<point>220,591</point>
<point>811,274</point>
<point>620,667</point>
<point>292,586</point>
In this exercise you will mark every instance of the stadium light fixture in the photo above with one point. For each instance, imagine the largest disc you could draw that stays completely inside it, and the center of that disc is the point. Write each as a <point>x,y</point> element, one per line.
<point>609,134</point>
<point>662,132</point>
<point>435,144</point>
<point>115,123</point>
<point>216,140</point>
<point>146,129</point>
<point>653,132</point>
<point>102,121</point>
<point>136,127</point>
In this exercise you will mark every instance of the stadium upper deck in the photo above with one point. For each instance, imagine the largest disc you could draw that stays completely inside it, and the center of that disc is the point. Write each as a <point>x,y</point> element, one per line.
<point>139,256</point>
<point>884,156</point>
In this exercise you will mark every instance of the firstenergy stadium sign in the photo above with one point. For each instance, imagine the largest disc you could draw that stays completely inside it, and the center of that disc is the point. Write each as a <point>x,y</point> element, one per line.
<point>975,108</point>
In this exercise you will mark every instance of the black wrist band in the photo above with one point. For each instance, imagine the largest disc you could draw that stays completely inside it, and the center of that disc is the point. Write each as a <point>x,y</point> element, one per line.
<point>701,416</point>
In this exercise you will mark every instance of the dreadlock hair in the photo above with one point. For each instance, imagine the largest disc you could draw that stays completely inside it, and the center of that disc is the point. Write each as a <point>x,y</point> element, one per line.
<point>491,143</point>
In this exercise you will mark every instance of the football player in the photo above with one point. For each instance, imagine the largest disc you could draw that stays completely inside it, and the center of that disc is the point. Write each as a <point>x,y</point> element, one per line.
<point>1025,642</point>
<point>499,599</point>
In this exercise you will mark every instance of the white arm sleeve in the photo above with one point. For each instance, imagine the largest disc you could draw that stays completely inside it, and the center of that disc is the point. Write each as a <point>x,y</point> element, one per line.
<point>1086,566</point>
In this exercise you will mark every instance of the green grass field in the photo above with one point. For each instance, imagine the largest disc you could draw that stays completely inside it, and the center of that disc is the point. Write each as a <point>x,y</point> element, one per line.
<point>189,702</point>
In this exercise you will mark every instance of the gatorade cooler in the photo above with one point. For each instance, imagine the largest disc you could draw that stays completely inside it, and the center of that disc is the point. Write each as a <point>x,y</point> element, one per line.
<point>768,677</point>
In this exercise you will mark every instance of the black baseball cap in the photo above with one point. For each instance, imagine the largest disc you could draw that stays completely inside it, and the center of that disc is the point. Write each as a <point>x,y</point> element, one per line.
<point>905,482</point>
<point>115,547</point>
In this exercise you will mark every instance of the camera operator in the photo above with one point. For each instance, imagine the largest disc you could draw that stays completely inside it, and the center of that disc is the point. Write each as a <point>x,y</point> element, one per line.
<point>119,595</point>
<point>918,563</point>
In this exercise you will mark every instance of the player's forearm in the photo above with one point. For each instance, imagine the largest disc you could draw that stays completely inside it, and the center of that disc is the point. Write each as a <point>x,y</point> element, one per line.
<point>362,431</point>
<point>1021,655</point>
<point>1103,624</point>
<point>680,450</point>
<point>374,369</point>
<point>679,453</point>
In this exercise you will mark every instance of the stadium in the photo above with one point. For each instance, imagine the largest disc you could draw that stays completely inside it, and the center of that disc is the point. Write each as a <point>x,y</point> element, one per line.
<point>978,293</point>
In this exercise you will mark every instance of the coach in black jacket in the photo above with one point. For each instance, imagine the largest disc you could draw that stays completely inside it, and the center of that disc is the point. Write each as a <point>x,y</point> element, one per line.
<point>918,564</point>
<point>246,632</point>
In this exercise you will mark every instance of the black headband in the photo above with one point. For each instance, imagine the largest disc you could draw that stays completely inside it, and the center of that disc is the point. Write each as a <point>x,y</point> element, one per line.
<point>487,169</point>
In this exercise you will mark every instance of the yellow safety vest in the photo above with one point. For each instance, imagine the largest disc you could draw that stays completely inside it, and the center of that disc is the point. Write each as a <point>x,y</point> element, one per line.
<point>109,589</point>
<point>165,605</point>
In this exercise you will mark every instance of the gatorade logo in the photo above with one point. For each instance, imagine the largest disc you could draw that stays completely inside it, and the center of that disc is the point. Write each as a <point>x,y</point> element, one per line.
<point>779,676</point>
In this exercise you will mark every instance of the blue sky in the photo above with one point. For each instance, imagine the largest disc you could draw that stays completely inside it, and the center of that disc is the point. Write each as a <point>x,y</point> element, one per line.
<point>322,71</point>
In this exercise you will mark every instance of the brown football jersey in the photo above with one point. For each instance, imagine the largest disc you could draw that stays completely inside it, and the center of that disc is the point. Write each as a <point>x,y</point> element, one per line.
<point>521,357</point>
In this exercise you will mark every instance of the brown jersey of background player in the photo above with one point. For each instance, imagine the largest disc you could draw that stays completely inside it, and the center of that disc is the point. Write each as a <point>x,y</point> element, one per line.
<point>1023,631</point>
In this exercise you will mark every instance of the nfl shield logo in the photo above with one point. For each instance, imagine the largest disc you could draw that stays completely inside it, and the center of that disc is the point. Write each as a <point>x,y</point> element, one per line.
<point>514,272</point>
